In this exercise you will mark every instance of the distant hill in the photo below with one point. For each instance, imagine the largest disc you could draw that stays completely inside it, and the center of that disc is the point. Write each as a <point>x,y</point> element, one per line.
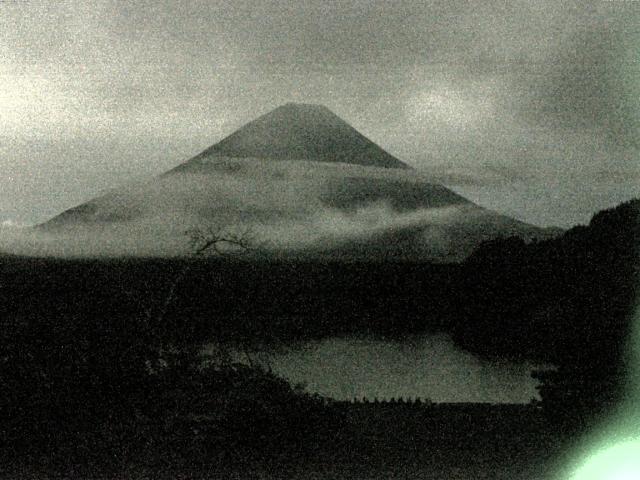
<point>306,184</point>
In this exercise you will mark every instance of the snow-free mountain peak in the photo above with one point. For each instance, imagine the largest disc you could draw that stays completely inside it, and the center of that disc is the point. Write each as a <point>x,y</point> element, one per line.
<point>299,131</point>
<point>305,183</point>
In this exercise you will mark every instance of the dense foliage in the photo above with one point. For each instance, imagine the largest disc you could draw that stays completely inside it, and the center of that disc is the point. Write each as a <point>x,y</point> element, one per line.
<point>88,395</point>
<point>568,302</point>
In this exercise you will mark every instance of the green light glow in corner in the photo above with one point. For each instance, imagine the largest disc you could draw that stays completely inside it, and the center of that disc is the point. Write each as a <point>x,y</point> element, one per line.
<point>620,462</point>
<point>616,446</point>
<point>613,452</point>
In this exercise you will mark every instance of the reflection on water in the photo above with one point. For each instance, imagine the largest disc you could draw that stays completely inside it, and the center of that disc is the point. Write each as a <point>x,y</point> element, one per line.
<point>427,367</point>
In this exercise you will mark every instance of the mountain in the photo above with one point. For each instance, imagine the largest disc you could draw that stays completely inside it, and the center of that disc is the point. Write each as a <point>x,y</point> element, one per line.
<point>305,184</point>
<point>301,132</point>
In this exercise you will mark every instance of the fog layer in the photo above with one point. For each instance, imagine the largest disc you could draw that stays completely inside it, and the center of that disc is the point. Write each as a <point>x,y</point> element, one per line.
<point>281,206</point>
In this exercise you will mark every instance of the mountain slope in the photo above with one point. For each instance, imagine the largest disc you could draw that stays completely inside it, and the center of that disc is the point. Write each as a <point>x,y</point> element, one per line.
<point>301,132</point>
<point>303,182</point>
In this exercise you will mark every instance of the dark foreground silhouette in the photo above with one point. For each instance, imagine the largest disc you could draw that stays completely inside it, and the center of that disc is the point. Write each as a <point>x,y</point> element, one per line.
<point>101,375</point>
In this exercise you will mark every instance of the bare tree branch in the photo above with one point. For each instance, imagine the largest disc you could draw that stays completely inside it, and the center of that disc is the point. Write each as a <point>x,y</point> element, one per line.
<point>219,241</point>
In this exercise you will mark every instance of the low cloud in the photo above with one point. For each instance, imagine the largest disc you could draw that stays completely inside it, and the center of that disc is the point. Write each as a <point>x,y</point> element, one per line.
<point>283,206</point>
<point>331,227</point>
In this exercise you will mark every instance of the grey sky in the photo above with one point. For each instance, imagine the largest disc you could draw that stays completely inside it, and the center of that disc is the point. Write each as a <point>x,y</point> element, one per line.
<point>531,108</point>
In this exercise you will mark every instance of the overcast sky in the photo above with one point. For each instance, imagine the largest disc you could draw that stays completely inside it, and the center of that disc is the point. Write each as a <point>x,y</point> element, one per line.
<point>529,107</point>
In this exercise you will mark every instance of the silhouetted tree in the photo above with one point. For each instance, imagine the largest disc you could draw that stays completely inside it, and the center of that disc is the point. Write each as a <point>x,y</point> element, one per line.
<point>592,363</point>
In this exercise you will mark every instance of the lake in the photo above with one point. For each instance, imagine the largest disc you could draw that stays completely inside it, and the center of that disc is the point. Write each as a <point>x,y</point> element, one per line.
<point>429,366</point>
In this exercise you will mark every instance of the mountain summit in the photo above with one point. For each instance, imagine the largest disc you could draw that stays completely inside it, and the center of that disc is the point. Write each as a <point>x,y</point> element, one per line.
<point>297,131</point>
<point>306,185</point>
